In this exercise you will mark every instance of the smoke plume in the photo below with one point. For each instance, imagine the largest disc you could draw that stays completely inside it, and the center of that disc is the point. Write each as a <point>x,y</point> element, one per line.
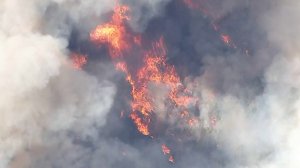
<point>71,101</point>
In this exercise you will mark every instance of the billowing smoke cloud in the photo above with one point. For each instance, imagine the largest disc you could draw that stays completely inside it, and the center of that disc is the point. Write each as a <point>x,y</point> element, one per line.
<point>258,124</point>
<point>43,99</point>
<point>53,115</point>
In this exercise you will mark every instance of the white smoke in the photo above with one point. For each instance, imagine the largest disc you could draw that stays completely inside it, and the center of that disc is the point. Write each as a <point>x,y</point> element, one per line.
<point>42,96</point>
<point>47,108</point>
<point>283,82</point>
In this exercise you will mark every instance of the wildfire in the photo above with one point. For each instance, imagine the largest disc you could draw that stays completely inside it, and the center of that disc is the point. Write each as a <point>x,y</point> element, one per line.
<point>166,151</point>
<point>154,71</point>
<point>109,33</point>
<point>201,5</point>
<point>78,60</point>
<point>227,40</point>
<point>142,126</point>
<point>171,159</point>
<point>113,33</point>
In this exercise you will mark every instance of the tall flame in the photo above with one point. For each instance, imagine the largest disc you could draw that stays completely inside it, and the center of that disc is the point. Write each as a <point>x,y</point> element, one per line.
<point>113,33</point>
<point>154,71</point>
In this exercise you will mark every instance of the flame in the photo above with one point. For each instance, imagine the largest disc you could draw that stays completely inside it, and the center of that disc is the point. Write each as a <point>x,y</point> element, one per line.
<point>203,6</point>
<point>153,71</point>
<point>227,40</point>
<point>113,33</point>
<point>142,126</point>
<point>171,159</point>
<point>156,71</point>
<point>206,9</point>
<point>109,33</point>
<point>166,151</point>
<point>78,60</point>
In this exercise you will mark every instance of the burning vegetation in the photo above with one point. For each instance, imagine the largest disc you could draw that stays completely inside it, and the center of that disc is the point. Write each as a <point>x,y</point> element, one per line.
<point>141,83</point>
<point>154,71</point>
<point>78,60</point>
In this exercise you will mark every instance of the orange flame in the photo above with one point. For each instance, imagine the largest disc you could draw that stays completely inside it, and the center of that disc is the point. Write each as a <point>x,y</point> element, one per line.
<point>113,33</point>
<point>154,71</point>
<point>227,40</point>
<point>142,126</point>
<point>78,60</point>
<point>203,6</point>
<point>166,151</point>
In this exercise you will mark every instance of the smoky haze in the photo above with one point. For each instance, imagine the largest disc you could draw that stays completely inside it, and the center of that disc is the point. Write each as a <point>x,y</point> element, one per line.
<point>55,116</point>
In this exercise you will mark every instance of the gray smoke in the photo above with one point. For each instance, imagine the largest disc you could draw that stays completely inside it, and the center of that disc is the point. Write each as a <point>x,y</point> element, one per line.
<point>43,98</point>
<point>55,116</point>
<point>258,124</point>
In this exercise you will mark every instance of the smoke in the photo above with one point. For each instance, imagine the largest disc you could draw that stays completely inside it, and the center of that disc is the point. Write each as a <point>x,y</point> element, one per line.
<point>43,98</point>
<point>258,125</point>
<point>145,10</point>
<point>53,115</point>
<point>283,81</point>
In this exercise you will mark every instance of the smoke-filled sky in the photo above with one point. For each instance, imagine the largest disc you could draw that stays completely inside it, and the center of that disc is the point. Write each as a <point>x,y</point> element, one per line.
<point>239,58</point>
